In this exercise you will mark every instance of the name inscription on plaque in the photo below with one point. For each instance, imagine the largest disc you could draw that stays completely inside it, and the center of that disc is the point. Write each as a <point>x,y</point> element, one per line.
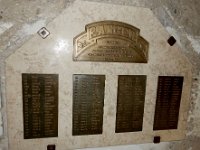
<point>111,41</point>
<point>88,102</point>
<point>168,102</point>
<point>40,105</point>
<point>130,103</point>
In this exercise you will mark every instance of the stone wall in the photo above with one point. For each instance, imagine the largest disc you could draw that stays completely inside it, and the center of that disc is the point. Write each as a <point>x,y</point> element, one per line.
<point>18,23</point>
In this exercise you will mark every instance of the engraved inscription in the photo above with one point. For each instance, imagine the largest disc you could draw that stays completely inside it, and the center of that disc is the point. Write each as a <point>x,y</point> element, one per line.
<point>40,105</point>
<point>88,102</point>
<point>111,41</point>
<point>130,103</point>
<point>102,29</point>
<point>168,102</point>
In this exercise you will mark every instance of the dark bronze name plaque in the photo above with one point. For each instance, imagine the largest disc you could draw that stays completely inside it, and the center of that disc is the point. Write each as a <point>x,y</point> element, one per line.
<point>110,41</point>
<point>130,103</point>
<point>88,102</point>
<point>40,105</point>
<point>168,102</point>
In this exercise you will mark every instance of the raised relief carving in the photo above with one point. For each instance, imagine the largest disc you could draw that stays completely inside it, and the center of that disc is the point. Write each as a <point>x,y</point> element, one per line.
<point>110,41</point>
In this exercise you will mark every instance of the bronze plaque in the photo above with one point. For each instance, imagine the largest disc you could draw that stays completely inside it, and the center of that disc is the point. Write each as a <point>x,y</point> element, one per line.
<point>130,103</point>
<point>88,102</point>
<point>40,105</point>
<point>110,41</point>
<point>168,102</point>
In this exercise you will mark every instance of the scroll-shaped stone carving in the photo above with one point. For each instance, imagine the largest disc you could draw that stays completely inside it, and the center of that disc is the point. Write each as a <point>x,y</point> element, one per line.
<point>110,41</point>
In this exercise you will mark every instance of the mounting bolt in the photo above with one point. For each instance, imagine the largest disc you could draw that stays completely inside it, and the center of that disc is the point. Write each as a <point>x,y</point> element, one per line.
<point>43,32</point>
<point>171,41</point>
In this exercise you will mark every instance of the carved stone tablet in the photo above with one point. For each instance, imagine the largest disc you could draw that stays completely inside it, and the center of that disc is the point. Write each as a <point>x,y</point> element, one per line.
<point>130,103</point>
<point>111,41</point>
<point>40,105</point>
<point>88,102</point>
<point>168,102</point>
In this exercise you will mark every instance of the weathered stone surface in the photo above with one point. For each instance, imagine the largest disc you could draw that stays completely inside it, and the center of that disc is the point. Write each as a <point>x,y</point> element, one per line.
<point>181,18</point>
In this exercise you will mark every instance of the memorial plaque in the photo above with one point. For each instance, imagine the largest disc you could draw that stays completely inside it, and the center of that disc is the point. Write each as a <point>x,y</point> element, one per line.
<point>88,102</point>
<point>40,105</point>
<point>168,102</point>
<point>111,41</point>
<point>130,103</point>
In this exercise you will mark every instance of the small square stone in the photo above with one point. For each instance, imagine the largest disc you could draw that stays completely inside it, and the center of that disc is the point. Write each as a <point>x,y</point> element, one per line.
<point>156,139</point>
<point>51,147</point>
<point>171,41</point>
<point>43,32</point>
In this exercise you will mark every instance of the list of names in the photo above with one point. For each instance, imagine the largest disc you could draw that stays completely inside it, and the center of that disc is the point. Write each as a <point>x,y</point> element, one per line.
<point>40,105</point>
<point>130,103</point>
<point>88,102</point>
<point>168,102</point>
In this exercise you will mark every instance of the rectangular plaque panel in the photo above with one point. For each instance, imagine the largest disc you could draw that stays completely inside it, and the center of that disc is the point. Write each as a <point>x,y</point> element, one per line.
<point>88,102</point>
<point>130,103</point>
<point>40,105</point>
<point>168,102</point>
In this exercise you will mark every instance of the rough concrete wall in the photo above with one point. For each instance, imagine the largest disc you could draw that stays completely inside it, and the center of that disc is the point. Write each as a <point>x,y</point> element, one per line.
<point>20,19</point>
